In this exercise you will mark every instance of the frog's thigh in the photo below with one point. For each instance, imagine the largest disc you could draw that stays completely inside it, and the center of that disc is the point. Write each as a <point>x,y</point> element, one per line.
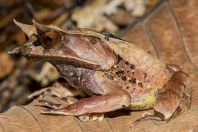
<point>176,94</point>
<point>95,104</point>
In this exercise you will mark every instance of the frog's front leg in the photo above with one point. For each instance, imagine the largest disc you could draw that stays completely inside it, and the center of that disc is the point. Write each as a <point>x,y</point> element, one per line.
<point>95,104</point>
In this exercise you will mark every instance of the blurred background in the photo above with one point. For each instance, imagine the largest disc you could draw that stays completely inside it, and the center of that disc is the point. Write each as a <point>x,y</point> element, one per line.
<point>19,77</point>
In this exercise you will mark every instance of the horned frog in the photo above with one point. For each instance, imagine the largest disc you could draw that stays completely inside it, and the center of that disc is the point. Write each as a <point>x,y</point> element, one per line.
<point>114,73</point>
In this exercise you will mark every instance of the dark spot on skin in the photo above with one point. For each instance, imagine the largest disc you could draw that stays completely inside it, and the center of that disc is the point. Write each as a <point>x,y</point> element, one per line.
<point>160,91</point>
<point>65,39</point>
<point>72,25</point>
<point>132,66</point>
<point>109,76</point>
<point>64,98</point>
<point>132,73</point>
<point>121,6</point>
<point>69,28</point>
<point>149,52</point>
<point>140,84</point>
<point>93,40</point>
<point>36,43</point>
<point>48,90</point>
<point>127,87</point>
<point>124,78</point>
<point>127,63</point>
<point>119,72</point>
<point>107,38</point>
<point>132,80</point>
<point>145,75</point>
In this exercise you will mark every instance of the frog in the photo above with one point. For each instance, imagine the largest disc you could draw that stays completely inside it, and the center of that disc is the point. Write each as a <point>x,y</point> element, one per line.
<point>114,73</point>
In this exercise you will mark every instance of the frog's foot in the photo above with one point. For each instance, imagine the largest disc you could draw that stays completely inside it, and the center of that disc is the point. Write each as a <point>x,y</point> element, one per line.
<point>48,98</point>
<point>40,93</point>
<point>48,104</point>
<point>91,117</point>
<point>53,102</point>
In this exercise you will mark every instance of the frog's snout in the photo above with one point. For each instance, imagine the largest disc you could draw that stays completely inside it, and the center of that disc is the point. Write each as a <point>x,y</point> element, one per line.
<point>25,49</point>
<point>18,50</point>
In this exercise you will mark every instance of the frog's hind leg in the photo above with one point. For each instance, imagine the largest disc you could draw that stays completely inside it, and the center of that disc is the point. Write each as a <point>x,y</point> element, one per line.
<point>95,104</point>
<point>175,98</point>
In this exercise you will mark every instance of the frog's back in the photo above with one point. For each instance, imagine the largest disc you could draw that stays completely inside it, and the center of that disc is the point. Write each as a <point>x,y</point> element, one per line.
<point>137,72</point>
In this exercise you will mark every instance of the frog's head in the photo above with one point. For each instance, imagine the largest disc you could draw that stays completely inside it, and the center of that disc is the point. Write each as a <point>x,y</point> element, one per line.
<point>70,47</point>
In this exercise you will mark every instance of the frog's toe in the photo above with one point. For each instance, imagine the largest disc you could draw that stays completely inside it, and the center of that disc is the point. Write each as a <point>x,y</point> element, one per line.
<point>59,111</point>
<point>37,93</point>
<point>52,111</point>
<point>48,104</point>
<point>84,118</point>
<point>91,117</point>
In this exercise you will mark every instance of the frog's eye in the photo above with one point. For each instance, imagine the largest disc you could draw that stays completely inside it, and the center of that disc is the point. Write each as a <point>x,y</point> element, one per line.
<point>50,39</point>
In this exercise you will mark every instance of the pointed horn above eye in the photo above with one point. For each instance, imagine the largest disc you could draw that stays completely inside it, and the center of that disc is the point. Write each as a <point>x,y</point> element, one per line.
<point>44,28</point>
<point>39,27</point>
<point>29,30</point>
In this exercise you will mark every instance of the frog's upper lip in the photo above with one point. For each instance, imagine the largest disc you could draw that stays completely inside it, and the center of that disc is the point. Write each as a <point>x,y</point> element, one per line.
<point>57,59</point>
<point>45,57</point>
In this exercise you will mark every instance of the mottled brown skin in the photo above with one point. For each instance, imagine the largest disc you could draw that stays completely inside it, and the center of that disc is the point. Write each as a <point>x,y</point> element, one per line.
<point>100,66</point>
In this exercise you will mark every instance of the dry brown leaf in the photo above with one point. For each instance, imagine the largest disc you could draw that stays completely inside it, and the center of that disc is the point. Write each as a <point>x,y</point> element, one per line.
<point>96,13</point>
<point>92,16</point>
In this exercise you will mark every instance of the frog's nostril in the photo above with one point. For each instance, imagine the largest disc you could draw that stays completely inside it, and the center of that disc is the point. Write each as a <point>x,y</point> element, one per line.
<point>36,43</point>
